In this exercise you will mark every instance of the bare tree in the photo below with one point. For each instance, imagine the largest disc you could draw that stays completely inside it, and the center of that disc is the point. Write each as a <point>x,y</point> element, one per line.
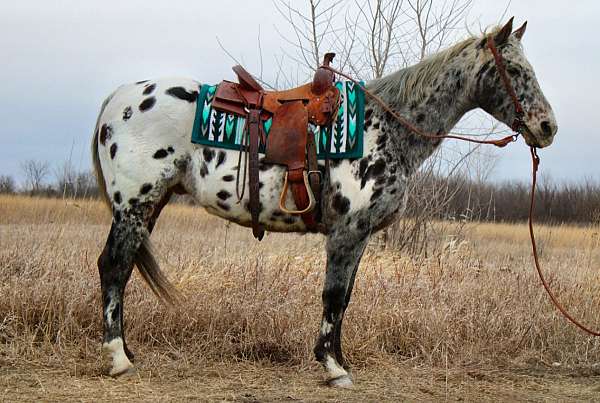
<point>373,38</point>
<point>7,184</point>
<point>437,22</point>
<point>65,177</point>
<point>71,183</point>
<point>35,173</point>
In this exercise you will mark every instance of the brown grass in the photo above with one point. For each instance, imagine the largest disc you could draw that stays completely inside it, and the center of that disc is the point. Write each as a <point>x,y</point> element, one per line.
<point>476,303</point>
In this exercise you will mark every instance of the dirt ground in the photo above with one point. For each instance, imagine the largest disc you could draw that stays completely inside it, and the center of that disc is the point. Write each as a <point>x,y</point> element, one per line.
<point>248,382</point>
<point>470,323</point>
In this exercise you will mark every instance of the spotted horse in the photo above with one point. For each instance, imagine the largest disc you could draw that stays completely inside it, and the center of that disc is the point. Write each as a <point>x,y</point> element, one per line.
<point>143,155</point>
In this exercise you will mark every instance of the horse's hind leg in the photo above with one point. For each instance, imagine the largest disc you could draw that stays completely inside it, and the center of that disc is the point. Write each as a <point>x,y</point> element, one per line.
<point>129,228</point>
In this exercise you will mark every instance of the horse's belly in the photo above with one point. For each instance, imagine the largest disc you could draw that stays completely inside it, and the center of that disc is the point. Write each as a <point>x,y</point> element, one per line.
<point>215,175</point>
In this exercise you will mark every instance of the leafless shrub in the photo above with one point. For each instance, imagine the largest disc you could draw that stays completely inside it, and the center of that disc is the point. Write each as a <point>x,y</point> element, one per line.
<point>7,184</point>
<point>556,203</point>
<point>35,173</point>
<point>71,183</point>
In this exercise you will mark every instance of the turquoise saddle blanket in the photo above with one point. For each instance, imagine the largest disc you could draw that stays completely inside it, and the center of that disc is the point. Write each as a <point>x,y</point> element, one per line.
<point>344,135</point>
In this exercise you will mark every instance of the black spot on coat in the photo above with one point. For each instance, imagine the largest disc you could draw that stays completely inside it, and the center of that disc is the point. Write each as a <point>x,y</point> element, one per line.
<point>228,178</point>
<point>208,154</point>
<point>113,151</point>
<point>149,88</point>
<point>220,158</point>
<point>183,94</point>
<point>362,167</point>
<point>374,170</point>
<point>127,112</point>
<point>147,187</point>
<point>105,133</point>
<point>147,104</point>
<point>223,195</point>
<point>160,153</point>
<point>117,197</point>
<point>341,204</point>
<point>203,170</point>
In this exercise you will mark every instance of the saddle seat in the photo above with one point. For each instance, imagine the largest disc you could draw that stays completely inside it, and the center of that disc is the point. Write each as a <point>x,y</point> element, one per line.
<point>289,142</point>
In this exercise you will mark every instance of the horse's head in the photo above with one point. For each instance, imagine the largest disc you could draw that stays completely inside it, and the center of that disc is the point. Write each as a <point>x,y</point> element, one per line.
<point>492,96</point>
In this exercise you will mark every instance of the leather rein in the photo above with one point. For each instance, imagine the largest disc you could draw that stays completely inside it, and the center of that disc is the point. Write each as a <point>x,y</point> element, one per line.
<point>518,125</point>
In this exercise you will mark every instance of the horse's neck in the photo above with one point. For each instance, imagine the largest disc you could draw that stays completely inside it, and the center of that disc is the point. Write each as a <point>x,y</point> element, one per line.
<point>444,102</point>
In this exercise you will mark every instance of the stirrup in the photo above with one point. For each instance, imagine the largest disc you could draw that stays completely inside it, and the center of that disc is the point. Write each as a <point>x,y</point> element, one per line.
<point>311,196</point>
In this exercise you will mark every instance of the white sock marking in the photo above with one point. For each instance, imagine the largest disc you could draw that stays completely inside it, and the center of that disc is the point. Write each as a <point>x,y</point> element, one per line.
<point>120,362</point>
<point>333,368</point>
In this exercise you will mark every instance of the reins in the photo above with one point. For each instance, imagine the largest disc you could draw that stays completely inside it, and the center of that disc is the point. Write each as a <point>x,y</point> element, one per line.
<point>517,126</point>
<point>498,142</point>
<point>535,159</point>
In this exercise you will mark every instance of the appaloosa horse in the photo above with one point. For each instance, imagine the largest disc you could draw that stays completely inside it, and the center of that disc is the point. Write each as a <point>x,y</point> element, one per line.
<point>142,154</point>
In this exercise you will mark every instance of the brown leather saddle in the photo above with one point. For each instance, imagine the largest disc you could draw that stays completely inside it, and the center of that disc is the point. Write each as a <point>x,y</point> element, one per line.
<point>289,142</point>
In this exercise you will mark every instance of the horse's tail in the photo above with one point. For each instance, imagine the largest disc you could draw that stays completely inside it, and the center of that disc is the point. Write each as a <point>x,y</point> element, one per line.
<point>98,167</point>
<point>152,275</point>
<point>144,257</point>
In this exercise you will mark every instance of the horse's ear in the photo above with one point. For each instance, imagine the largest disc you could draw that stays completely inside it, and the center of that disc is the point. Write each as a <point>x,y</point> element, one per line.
<point>521,31</point>
<point>502,35</point>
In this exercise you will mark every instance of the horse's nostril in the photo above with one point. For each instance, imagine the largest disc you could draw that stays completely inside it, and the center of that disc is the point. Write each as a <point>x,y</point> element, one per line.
<point>546,128</point>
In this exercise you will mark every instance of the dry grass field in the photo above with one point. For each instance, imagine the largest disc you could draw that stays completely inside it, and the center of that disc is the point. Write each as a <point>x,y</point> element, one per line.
<point>468,322</point>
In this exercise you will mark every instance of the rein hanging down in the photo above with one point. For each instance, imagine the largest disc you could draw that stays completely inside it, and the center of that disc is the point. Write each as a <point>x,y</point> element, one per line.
<point>517,126</point>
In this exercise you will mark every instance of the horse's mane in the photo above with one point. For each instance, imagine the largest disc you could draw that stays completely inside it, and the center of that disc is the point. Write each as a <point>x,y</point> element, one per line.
<point>410,84</point>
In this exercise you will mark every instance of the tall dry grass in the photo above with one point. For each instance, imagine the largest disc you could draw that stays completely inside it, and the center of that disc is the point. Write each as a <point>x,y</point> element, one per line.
<point>475,301</point>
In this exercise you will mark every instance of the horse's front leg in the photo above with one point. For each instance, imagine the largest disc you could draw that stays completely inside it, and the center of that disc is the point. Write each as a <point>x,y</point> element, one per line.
<point>345,247</point>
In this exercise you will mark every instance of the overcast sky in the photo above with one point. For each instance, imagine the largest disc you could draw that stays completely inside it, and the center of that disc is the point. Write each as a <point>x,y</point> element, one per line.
<point>61,58</point>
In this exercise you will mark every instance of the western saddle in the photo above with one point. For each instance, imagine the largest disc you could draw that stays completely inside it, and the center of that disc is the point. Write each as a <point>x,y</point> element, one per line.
<point>289,142</point>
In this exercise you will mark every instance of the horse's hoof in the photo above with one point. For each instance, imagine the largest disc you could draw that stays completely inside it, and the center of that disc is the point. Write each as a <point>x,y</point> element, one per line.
<point>121,365</point>
<point>344,381</point>
<point>123,373</point>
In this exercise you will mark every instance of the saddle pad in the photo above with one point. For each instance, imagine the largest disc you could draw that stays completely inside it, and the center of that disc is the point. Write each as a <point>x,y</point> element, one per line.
<point>223,130</point>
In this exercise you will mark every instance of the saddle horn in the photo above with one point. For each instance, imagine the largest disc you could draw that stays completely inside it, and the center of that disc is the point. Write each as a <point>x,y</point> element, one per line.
<point>323,77</point>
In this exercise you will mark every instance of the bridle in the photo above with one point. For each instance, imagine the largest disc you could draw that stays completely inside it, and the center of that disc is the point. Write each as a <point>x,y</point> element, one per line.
<point>518,125</point>
<point>518,122</point>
